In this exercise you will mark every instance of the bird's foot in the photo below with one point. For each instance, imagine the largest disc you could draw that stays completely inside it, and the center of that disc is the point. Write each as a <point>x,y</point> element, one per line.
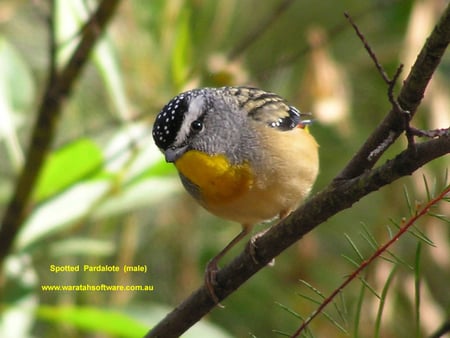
<point>210,280</point>
<point>251,248</point>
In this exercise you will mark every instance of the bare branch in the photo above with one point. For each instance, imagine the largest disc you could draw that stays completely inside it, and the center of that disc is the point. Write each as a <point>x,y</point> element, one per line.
<point>410,96</point>
<point>369,50</point>
<point>431,133</point>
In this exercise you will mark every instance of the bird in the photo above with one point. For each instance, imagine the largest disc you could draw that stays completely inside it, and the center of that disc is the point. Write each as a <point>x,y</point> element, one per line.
<point>245,154</point>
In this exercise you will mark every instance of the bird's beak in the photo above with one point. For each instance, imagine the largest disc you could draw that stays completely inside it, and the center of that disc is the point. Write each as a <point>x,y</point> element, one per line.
<point>173,154</point>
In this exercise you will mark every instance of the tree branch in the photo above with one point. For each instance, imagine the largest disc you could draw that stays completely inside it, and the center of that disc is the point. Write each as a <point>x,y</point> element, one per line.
<point>410,96</point>
<point>357,180</point>
<point>58,88</point>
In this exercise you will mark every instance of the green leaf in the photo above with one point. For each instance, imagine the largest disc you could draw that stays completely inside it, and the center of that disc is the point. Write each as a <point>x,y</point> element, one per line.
<point>408,201</point>
<point>354,247</point>
<point>72,205</point>
<point>358,309</point>
<point>16,96</point>
<point>76,161</point>
<point>417,287</point>
<point>16,83</point>
<point>21,310</point>
<point>143,193</point>
<point>82,246</point>
<point>161,168</point>
<point>289,310</point>
<point>134,321</point>
<point>351,261</point>
<point>427,188</point>
<point>369,287</point>
<point>93,320</point>
<point>383,301</point>
<point>105,60</point>
<point>132,153</point>
<point>369,237</point>
<point>181,50</point>
<point>70,17</point>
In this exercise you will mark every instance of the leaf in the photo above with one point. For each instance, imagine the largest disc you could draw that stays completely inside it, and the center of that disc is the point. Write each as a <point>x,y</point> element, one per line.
<point>181,50</point>
<point>104,56</point>
<point>427,188</point>
<point>313,289</point>
<point>70,16</point>
<point>417,287</point>
<point>369,287</point>
<point>408,201</point>
<point>71,205</point>
<point>144,193</point>
<point>93,320</point>
<point>16,96</point>
<point>369,237</point>
<point>358,309</point>
<point>76,161</point>
<point>16,83</point>
<point>318,302</point>
<point>132,153</point>
<point>132,322</point>
<point>354,247</point>
<point>351,261</point>
<point>383,300</point>
<point>81,246</point>
<point>17,319</point>
<point>289,310</point>
<point>443,218</point>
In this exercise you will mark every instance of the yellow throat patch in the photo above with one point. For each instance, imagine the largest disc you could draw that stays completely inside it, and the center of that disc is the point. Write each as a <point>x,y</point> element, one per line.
<point>218,180</point>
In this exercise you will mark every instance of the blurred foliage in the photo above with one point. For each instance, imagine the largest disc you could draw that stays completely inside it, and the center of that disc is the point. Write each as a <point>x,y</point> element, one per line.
<point>107,197</point>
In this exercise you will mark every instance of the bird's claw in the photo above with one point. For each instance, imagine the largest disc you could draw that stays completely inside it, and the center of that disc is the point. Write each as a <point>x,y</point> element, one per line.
<point>210,281</point>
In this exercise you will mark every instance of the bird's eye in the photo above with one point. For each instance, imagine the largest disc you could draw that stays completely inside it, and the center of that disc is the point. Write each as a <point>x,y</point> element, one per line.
<point>196,126</point>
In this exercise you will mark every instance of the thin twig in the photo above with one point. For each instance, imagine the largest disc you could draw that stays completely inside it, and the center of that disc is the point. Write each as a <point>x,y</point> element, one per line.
<point>420,213</point>
<point>433,133</point>
<point>390,82</point>
<point>369,50</point>
<point>409,98</point>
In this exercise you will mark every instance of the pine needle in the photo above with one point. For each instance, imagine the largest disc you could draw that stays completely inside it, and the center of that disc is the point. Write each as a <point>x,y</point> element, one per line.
<point>357,319</point>
<point>354,247</point>
<point>352,262</point>
<point>408,201</point>
<point>417,283</point>
<point>427,188</point>
<point>289,310</point>
<point>369,287</point>
<point>383,301</point>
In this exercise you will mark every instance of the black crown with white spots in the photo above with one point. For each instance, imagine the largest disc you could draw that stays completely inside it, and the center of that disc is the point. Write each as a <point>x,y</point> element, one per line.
<point>170,118</point>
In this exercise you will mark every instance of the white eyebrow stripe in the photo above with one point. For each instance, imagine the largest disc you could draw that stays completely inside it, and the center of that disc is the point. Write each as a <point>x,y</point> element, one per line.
<point>195,110</point>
